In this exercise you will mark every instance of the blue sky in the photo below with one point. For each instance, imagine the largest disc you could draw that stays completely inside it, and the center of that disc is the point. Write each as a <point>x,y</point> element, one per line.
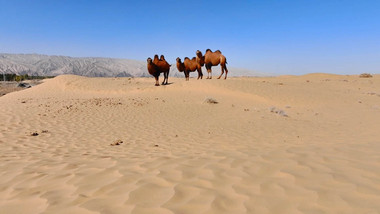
<point>283,37</point>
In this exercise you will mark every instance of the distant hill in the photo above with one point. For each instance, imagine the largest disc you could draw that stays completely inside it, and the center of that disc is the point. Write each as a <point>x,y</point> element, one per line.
<point>46,65</point>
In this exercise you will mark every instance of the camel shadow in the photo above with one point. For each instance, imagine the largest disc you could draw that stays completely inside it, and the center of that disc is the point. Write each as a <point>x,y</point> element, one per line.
<point>169,83</point>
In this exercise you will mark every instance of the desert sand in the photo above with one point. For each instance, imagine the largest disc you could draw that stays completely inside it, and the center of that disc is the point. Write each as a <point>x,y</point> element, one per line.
<point>287,144</point>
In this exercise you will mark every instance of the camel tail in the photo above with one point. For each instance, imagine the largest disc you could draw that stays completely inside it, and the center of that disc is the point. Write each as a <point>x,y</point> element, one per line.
<point>223,58</point>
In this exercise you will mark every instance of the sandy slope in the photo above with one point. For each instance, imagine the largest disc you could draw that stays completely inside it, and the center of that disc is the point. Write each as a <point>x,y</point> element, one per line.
<point>307,144</point>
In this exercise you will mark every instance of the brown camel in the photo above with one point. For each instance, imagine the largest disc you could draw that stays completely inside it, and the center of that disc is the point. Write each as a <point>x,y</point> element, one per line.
<point>189,65</point>
<point>155,69</point>
<point>165,67</point>
<point>212,59</point>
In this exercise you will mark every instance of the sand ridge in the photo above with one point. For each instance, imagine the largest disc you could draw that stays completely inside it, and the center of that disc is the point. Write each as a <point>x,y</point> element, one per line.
<point>181,154</point>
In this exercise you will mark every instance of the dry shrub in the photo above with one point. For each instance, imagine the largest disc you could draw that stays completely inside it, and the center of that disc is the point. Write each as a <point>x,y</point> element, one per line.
<point>365,75</point>
<point>116,143</point>
<point>210,101</point>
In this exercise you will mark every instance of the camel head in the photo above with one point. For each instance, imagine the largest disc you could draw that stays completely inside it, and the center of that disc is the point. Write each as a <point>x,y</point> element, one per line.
<point>180,65</point>
<point>149,60</point>
<point>199,53</point>
<point>200,58</point>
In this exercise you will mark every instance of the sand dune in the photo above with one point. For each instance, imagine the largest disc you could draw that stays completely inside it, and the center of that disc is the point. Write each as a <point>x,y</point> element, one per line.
<point>288,144</point>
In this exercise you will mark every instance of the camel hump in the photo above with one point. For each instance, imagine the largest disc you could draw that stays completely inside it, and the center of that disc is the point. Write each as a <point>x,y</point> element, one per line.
<point>193,58</point>
<point>162,57</point>
<point>186,58</point>
<point>218,51</point>
<point>208,50</point>
<point>155,59</point>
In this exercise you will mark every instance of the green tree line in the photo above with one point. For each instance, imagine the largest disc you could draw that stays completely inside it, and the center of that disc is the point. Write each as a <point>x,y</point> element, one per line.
<point>18,78</point>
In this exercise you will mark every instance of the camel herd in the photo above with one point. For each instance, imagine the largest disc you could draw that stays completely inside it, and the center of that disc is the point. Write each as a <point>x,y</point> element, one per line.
<point>160,65</point>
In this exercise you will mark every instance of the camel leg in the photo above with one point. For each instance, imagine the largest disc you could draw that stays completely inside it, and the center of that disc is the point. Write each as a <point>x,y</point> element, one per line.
<point>165,78</point>
<point>208,67</point>
<point>225,68</point>
<point>163,82</point>
<point>222,69</point>
<point>199,73</point>
<point>187,75</point>
<point>157,84</point>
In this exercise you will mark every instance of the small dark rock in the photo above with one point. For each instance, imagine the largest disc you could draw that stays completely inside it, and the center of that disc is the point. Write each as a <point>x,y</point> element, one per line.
<point>24,85</point>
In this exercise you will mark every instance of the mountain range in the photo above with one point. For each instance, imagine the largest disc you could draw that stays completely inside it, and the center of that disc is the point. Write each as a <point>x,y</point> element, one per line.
<point>51,65</point>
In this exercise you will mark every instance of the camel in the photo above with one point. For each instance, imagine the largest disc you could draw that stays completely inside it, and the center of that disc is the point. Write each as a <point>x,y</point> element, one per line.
<point>158,67</point>
<point>164,67</point>
<point>188,66</point>
<point>212,59</point>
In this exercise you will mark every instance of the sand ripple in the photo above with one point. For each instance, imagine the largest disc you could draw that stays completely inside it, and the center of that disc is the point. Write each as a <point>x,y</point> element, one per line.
<point>181,155</point>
